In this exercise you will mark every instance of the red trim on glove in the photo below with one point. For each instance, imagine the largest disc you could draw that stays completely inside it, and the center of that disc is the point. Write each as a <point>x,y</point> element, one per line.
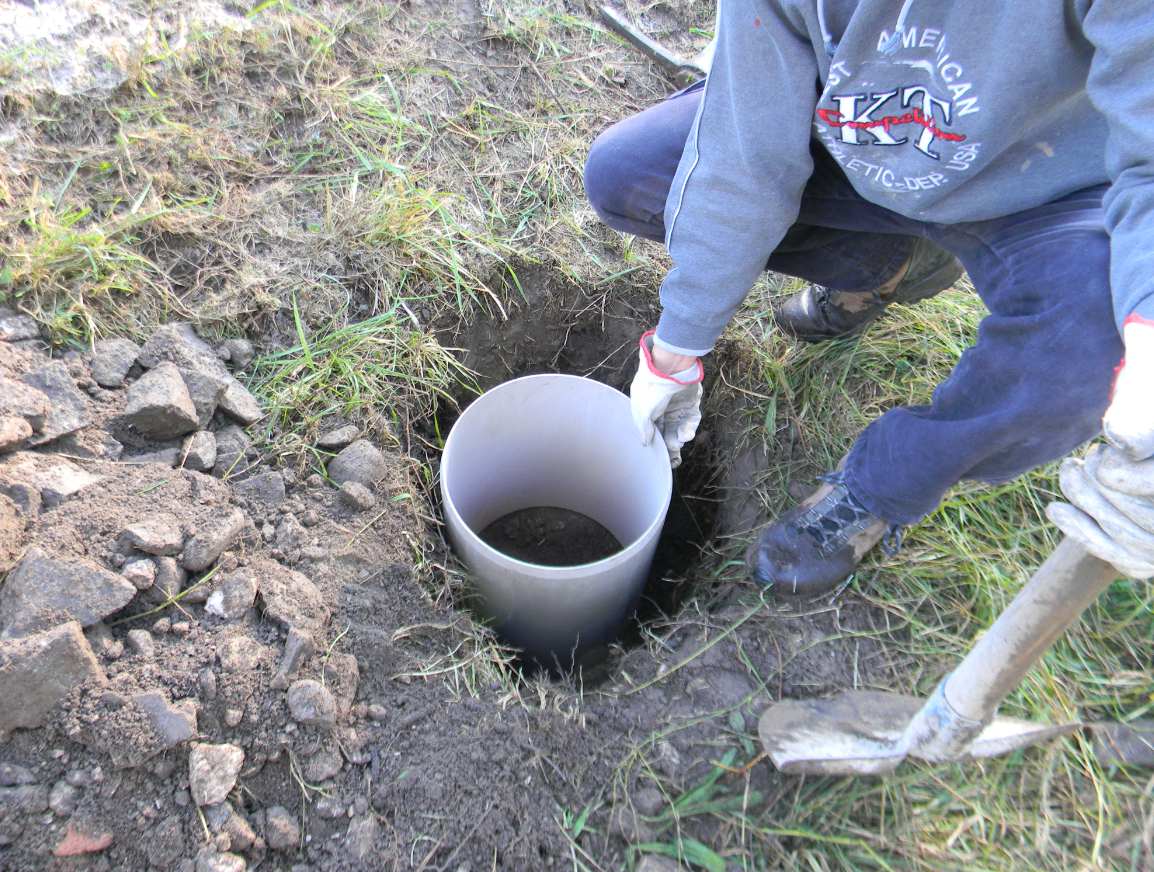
<point>1135,318</point>
<point>1132,318</point>
<point>647,356</point>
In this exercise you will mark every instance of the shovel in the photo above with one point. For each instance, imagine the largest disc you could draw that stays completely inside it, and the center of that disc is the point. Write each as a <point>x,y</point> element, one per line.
<point>870,732</point>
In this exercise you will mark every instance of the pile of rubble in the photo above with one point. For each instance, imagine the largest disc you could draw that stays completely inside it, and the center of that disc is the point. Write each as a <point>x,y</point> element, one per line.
<point>150,600</point>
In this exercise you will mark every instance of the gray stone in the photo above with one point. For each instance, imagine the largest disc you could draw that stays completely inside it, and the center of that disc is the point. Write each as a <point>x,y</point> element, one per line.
<point>335,440</point>
<point>223,818</point>
<point>232,443</point>
<point>159,405</point>
<point>238,403</point>
<point>266,488</point>
<point>281,831</point>
<point>55,478</point>
<point>234,596</point>
<point>159,534</point>
<point>165,844</point>
<point>170,579</point>
<point>207,684</point>
<point>20,400</point>
<point>199,451</point>
<point>15,327</point>
<point>238,352</point>
<point>239,654</point>
<point>63,798</point>
<point>342,676</point>
<point>212,771</point>
<point>141,643</point>
<point>310,703</point>
<point>211,540</point>
<point>326,763</point>
<point>298,648</point>
<point>625,822</point>
<point>27,799</point>
<point>289,598</point>
<point>649,801</point>
<point>141,573</point>
<point>219,861</point>
<point>42,591</point>
<point>205,390</point>
<point>91,443</point>
<point>329,808</point>
<point>657,863</point>
<point>67,407</point>
<point>169,457</point>
<point>38,672</point>
<point>357,497</point>
<point>13,775</point>
<point>361,462</point>
<point>361,837</point>
<point>172,724</point>
<point>14,433</point>
<point>179,344</point>
<point>111,361</point>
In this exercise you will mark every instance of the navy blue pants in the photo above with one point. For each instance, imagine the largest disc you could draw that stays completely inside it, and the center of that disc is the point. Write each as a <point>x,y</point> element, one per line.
<point>1033,388</point>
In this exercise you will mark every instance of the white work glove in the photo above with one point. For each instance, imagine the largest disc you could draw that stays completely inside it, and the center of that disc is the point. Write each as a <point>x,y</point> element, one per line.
<point>669,403</point>
<point>1111,492</point>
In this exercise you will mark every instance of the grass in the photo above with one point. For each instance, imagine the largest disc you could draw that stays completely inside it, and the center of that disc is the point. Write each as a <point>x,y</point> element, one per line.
<point>341,178</point>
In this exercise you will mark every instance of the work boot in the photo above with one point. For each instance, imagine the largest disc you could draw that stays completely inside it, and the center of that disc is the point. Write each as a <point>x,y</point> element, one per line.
<point>817,313</point>
<point>816,545</point>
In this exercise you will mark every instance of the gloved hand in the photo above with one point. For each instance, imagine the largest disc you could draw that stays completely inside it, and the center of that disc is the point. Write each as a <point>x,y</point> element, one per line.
<point>669,403</point>
<point>1129,422</point>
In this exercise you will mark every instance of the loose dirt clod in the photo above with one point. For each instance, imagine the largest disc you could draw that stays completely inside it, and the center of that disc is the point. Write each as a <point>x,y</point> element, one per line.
<point>361,462</point>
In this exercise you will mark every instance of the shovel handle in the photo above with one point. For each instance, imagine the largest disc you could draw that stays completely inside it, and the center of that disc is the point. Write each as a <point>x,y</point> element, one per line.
<point>1059,591</point>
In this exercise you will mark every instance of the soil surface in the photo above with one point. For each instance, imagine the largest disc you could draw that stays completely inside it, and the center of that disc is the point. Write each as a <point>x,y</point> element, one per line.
<point>549,536</point>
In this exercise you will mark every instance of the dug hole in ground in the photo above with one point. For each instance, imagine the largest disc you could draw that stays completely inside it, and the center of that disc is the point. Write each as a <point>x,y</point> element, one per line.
<point>232,634</point>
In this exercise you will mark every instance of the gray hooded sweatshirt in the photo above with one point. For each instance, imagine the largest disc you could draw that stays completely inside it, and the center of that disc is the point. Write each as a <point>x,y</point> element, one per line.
<point>940,110</point>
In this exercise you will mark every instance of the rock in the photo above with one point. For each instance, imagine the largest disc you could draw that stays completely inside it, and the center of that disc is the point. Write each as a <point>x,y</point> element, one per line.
<point>206,391</point>
<point>335,440</point>
<point>361,837</point>
<point>310,703</point>
<point>91,443</point>
<point>37,672</point>
<point>211,539</point>
<point>165,843</point>
<point>15,327</point>
<point>357,497</point>
<point>14,432</point>
<point>20,400</point>
<point>171,724</point>
<point>42,591</point>
<point>289,598</point>
<point>290,534</point>
<point>55,478</point>
<point>13,775</point>
<point>141,643</point>
<point>329,808</point>
<point>657,863</point>
<point>67,407</point>
<point>361,462</point>
<point>141,573</point>
<point>624,822</point>
<point>223,818</point>
<point>231,446</point>
<point>13,533</point>
<point>238,403</point>
<point>298,648</point>
<point>63,798</point>
<point>206,682</point>
<point>238,352</point>
<point>234,596</point>
<point>342,675</point>
<point>266,488</point>
<point>169,457</point>
<point>281,831</point>
<point>324,764</point>
<point>377,712</point>
<point>111,361</point>
<point>170,579</point>
<point>239,654</point>
<point>77,842</point>
<point>159,405</point>
<point>223,861</point>
<point>212,771</point>
<point>179,344</point>
<point>649,801</point>
<point>159,535</point>
<point>199,451</point>
<point>25,799</point>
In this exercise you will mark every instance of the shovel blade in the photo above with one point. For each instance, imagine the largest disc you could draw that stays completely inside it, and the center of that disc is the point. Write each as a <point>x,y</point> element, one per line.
<point>861,732</point>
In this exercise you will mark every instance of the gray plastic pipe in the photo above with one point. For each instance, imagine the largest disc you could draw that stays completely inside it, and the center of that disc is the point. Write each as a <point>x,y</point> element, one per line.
<point>566,442</point>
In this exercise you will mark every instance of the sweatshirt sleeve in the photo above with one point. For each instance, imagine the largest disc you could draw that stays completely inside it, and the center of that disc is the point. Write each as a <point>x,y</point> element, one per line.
<point>738,187</point>
<point>1121,86</point>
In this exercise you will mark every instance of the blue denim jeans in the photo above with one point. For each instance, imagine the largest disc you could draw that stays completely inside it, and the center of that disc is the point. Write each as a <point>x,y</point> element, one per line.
<point>1033,387</point>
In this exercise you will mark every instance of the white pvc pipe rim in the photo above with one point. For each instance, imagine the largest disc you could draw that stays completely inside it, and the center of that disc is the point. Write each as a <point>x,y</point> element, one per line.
<point>566,442</point>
